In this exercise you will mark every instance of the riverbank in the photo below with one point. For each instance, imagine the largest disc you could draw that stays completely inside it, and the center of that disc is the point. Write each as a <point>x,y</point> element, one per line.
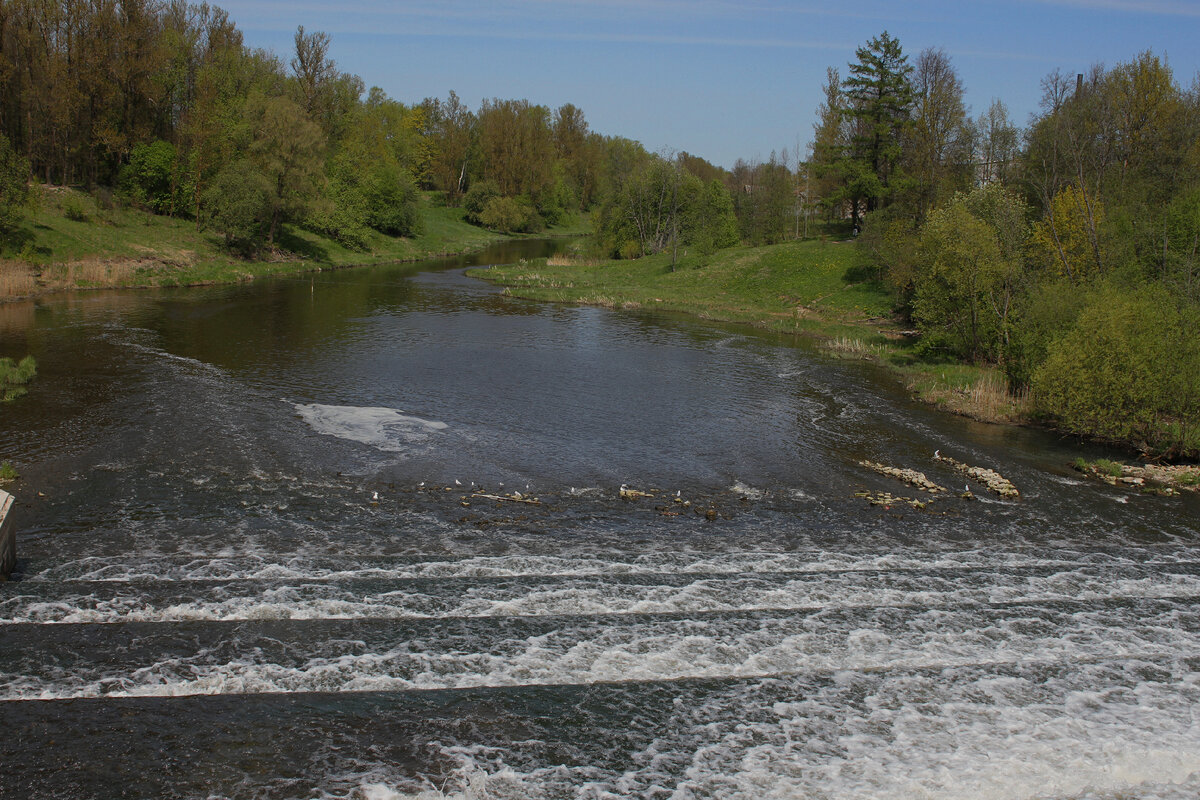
<point>820,289</point>
<point>71,242</point>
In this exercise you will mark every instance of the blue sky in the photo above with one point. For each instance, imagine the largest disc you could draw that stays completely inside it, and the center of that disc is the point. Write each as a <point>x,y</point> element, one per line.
<point>721,79</point>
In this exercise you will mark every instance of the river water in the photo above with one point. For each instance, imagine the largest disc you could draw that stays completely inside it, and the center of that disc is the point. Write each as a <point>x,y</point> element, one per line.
<point>253,564</point>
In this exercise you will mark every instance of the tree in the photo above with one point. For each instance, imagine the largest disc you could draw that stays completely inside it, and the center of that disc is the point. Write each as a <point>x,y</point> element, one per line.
<point>14,185</point>
<point>712,223</point>
<point>516,147</point>
<point>969,271</point>
<point>313,70</point>
<point>238,205</point>
<point>764,199</point>
<point>937,151</point>
<point>995,142</point>
<point>831,143</point>
<point>879,98</point>
<point>286,149</point>
<point>1066,240</point>
<point>661,206</point>
<point>452,130</point>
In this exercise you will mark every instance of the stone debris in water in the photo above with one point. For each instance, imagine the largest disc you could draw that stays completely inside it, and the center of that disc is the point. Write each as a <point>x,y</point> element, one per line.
<point>887,500</point>
<point>909,476</point>
<point>1160,479</point>
<point>994,481</point>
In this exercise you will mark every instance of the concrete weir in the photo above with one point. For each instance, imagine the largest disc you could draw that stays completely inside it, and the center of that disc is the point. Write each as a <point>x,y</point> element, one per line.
<point>8,536</point>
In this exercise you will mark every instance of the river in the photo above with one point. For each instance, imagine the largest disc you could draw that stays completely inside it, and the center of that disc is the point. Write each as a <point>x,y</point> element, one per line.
<point>254,563</point>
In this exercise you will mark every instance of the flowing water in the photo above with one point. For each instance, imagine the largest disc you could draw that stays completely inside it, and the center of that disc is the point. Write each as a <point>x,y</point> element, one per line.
<point>254,565</point>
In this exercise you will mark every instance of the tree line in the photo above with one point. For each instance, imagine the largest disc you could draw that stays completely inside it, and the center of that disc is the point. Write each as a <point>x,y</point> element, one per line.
<point>160,104</point>
<point>1067,254</point>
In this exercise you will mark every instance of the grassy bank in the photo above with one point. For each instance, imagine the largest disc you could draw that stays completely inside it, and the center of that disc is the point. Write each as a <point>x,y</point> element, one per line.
<point>816,288</point>
<point>70,241</point>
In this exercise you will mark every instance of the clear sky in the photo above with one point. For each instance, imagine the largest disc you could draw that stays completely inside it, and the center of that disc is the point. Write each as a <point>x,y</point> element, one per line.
<point>718,78</point>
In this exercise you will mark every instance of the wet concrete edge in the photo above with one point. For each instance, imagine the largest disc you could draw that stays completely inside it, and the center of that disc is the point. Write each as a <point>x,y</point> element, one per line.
<point>8,536</point>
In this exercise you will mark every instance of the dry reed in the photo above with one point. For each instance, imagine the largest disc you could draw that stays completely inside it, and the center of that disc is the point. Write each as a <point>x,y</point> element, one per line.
<point>16,279</point>
<point>568,261</point>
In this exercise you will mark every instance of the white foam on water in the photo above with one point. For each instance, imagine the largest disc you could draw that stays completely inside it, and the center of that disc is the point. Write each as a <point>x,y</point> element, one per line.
<point>577,596</point>
<point>929,753</point>
<point>386,429</point>
<point>229,565</point>
<point>749,492</point>
<point>650,650</point>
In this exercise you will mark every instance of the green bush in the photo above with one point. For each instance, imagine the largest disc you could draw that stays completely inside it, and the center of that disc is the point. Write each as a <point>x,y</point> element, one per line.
<point>1128,370</point>
<point>506,214</point>
<point>147,180</point>
<point>477,198</point>
<point>72,208</point>
<point>238,206</point>
<point>391,195</point>
<point>8,472</point>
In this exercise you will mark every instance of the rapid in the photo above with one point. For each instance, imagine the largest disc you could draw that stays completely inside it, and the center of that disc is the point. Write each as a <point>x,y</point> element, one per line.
<point>257,561</point>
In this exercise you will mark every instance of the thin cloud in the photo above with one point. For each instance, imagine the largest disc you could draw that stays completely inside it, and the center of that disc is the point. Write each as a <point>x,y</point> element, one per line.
<point>1166,8</point>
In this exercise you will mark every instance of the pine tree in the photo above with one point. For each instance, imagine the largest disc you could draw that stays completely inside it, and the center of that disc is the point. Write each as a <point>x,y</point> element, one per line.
<point>879,98</point>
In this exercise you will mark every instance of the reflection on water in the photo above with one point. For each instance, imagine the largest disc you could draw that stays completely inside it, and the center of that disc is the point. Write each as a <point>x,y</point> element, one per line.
<point>261,554</point>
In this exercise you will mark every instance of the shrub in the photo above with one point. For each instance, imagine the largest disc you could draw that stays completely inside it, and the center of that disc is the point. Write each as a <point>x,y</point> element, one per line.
<point>1128,370</point>
<point>72,208</point>
<point>506,214</point>
<point>238,205</point>
<point>8,472</point>
<point>477,198</point>
<point>391,196</point>
<point>148,177</point>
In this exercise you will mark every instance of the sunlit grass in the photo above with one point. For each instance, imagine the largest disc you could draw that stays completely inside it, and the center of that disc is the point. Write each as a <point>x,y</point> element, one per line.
<point>69,240</point>
<point>815,288</point>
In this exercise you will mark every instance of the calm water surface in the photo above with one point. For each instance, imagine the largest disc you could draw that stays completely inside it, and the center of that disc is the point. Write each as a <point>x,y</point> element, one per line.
<point>253,565</point>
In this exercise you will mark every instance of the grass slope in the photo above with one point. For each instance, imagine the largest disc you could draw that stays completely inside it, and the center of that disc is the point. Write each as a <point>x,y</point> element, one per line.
<point>127,248</point>
<point>817,288</point>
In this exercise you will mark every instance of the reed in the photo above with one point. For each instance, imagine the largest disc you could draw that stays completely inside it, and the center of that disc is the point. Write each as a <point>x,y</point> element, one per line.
<point>15,279</point>
<point>569,261</point>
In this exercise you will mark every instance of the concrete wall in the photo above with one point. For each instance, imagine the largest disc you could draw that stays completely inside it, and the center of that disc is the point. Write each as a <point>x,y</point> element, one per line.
<point>8,536</point>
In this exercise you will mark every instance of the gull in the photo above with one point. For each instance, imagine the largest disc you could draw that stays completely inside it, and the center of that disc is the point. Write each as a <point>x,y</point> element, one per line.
<point>375,496</point>
<point>421,485</point>
<point>456,482</point>
<point>937,453</point>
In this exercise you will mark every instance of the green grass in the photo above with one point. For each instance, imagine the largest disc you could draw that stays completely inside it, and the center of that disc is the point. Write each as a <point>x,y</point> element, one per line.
<point>8,472</point>
<point>779,286</point>
<point>816,288</point>
<point>70,241</point>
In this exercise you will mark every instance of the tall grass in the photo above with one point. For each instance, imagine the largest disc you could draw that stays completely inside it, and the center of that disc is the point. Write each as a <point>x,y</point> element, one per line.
<point>16,280</point>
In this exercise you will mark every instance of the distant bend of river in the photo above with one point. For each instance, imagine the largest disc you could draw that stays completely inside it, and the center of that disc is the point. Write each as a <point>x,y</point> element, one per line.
<point>256,563</point>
